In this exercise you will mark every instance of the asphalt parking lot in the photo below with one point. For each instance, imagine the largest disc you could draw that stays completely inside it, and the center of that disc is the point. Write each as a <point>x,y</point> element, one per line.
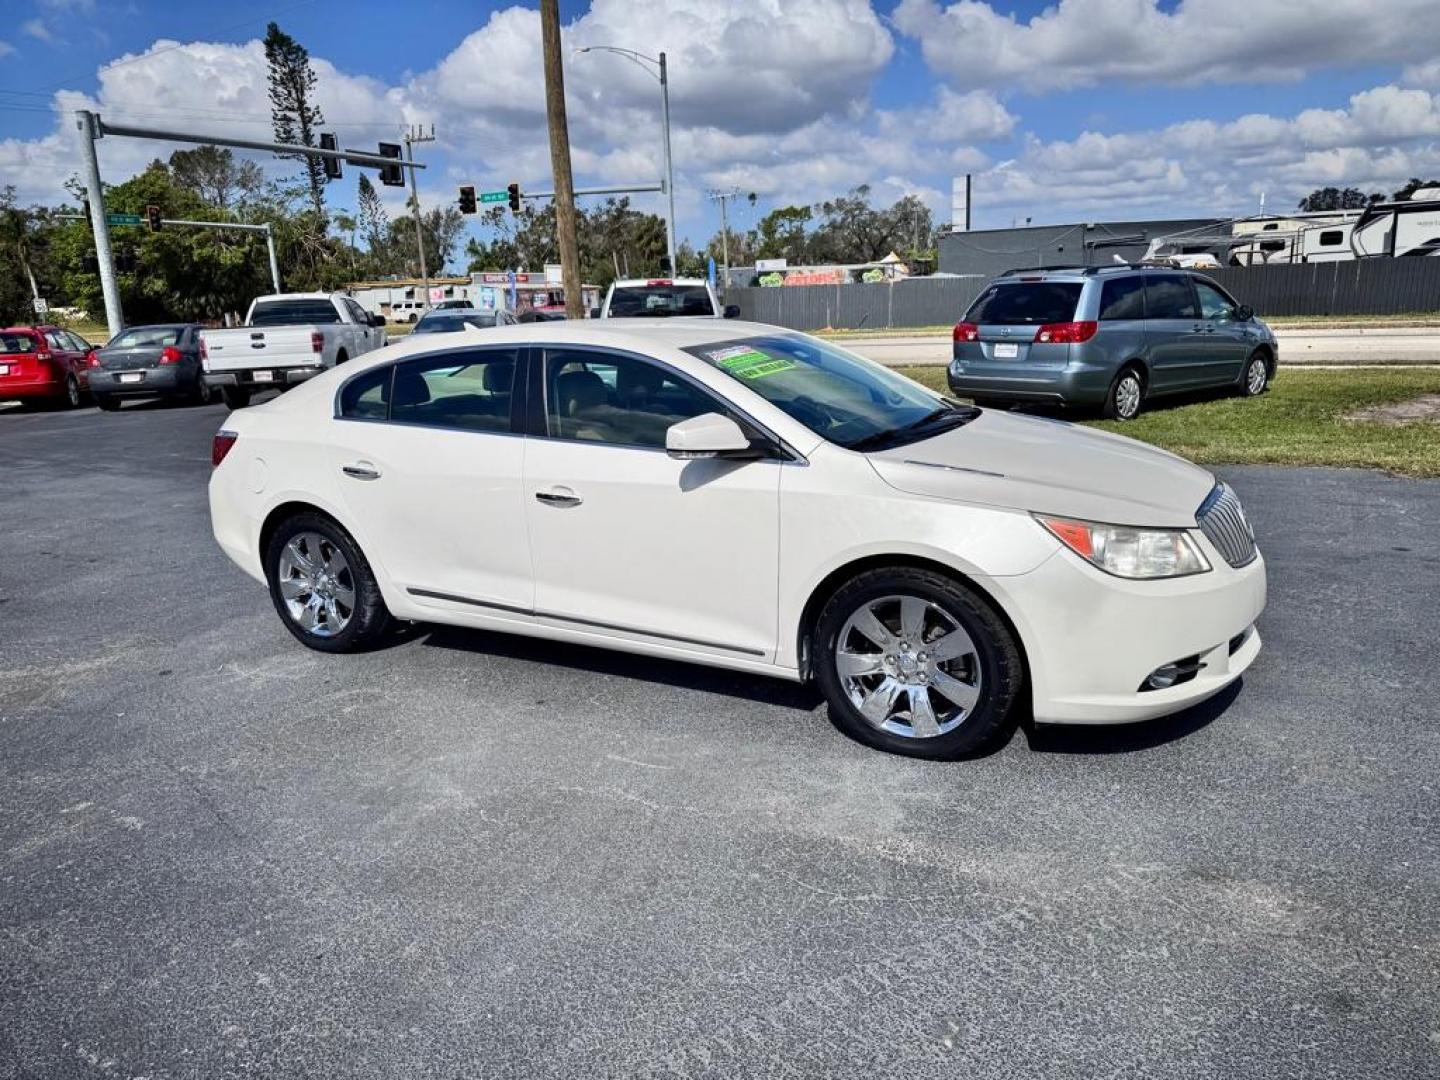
<point>472,856</point>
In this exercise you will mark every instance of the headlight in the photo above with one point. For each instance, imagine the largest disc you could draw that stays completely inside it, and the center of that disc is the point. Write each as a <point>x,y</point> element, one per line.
<point>1129,552</point>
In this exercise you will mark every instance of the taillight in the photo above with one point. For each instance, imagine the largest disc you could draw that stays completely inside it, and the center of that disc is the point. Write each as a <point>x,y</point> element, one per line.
<point>966,331</point>
<point>317,341</point>
<point>91,359</point>
<point>169,355</point>
<point>220,446</point>
<point>204,352</point>
<point>1066,333</point>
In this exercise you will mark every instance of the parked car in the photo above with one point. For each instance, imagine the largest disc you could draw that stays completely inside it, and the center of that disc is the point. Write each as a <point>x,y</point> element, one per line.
<point>652,298</point>
<point>403,311</point>
<point>449,320</point>
<point>938,560</point>
<point>287,338</point>
<point>43,365</point>
<point>1113,336</point>
<point>450,305</point>
<point>149,361</point>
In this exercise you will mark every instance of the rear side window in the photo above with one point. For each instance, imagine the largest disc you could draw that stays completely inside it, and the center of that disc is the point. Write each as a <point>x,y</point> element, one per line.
<point>469,390</point>
<point>1026,303</point>
<point>1122,298</point>
<point>367,396</point>
<point>1332,238</point>
<point>294,313</point>
<point>1169,296</point>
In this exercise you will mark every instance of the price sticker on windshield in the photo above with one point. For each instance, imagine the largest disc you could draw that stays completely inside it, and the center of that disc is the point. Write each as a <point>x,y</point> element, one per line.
<point>746,363</point>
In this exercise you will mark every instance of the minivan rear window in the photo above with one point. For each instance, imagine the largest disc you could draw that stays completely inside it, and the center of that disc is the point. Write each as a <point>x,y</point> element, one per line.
<point>1026,303</point>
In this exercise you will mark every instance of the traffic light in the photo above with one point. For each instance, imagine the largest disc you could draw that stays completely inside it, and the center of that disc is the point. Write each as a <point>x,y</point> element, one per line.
<point>152,217</point>
<point>391,175</point>
<point>332,164</point>
<point>514,192</point>
<point>467,199</point>
<point>125,262</point>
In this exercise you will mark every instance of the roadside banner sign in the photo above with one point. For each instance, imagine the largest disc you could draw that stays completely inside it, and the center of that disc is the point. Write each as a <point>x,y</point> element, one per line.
<point>710,273</point>
<point>437,294</point>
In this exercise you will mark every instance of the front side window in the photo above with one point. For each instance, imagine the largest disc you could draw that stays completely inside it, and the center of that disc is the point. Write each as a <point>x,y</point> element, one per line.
<point>57,341</point>
<point>1122,298</point>
<point>1169,296</point>
<point>470,390</point>
<point>622,400</point>
<point>836,394</point>
<point>1213,303</point>
<point>1026,303</point>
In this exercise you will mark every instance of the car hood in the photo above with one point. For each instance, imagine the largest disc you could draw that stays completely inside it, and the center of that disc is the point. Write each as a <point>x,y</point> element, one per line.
<point>1050,467</point>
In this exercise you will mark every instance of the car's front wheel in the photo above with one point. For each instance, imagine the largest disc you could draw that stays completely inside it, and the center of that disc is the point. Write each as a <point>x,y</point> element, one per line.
<point>916,663</point>
<point>323,587</point>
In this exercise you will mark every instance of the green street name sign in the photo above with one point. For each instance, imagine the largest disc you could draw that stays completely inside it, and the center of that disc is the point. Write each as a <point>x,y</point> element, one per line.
<point>494,196</point>
<point>135,219</point>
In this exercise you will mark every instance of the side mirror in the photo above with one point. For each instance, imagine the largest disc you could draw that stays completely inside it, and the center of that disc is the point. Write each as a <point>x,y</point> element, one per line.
<point>732,311</point>
<point>376,320</point>
<point>1244,313</point>
<point>708,435</point>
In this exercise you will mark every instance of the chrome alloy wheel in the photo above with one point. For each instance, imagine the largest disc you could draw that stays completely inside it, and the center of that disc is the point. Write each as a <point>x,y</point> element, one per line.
<point>316,584</point>
<point>1256,376</point>
<point>1127,396</point>
<point>908,666</point>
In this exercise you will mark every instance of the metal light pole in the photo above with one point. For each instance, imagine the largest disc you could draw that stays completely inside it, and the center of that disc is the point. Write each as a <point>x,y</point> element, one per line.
<point>89,127</point>
<point>663,75</point>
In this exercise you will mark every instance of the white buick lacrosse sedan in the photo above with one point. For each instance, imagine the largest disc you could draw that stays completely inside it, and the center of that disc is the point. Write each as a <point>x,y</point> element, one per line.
<point>738,495</point>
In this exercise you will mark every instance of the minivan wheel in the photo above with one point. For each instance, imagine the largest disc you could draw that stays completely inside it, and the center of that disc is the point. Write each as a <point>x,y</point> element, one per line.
<point>1257,375</point>
<point>1126,394</point>
<point>323,587</point>
<point>235,397</point>
<point>914,663</point>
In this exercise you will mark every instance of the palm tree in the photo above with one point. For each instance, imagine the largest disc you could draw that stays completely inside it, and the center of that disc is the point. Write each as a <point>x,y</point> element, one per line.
<point>346,223</point>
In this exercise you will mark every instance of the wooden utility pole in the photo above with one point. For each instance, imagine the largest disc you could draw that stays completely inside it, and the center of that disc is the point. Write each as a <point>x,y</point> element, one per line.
<point>560,158</point>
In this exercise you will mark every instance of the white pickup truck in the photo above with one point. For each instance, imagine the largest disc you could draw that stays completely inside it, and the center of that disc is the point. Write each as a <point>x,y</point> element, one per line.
<point>286,339</point>
<point>653,298</point>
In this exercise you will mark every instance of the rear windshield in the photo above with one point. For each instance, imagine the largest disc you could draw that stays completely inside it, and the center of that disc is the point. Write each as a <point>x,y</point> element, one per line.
<point>451,322</point>
<point>1026,303</point>
<point>658,301</point>
<point>18,343</point>
<point>147,335</point>
<point>294,313</point>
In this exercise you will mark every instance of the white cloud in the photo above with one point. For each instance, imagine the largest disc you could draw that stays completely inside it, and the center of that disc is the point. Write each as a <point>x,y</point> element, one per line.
<point>1085,42</point>
<point>37,29</point>
<point>6,48</point>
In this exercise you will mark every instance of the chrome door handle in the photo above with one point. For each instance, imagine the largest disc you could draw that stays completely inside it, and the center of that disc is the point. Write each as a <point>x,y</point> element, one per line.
<point>361,472</point>
<point>554,498</point>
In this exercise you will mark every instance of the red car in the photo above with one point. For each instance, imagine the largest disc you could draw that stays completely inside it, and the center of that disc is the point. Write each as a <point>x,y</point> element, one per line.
<point>43,364</point>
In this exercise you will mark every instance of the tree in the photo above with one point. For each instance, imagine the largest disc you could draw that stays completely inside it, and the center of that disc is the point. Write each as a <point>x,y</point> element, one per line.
<point>1413,186</point>
<point>374,222</point>
<point>1330,198</point>
<point>781,234</point>
<point>214,174</point>
<point>295,117</point>
<point>18,241</point>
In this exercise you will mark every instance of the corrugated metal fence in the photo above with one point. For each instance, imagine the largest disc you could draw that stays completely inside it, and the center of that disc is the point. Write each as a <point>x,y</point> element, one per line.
<point>1357,287</point>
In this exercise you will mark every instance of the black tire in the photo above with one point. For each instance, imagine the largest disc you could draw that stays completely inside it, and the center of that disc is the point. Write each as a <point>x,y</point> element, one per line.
<point>235,397</point>
<point>993,402</point>
<point>1255,377</point>
<point>340,358</point>
<point>204,393</point>
<point>995,658</point>
<point>71,400</point>
<point>369,619</point>
<point>107,402</point>
<point>1126,396</point>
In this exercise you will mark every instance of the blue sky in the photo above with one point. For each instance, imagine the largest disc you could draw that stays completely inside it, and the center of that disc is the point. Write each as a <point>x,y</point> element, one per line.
<point>1085,110</point>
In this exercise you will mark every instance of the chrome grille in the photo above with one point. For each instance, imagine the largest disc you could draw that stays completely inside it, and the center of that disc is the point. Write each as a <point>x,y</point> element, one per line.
<point>1224,524</point>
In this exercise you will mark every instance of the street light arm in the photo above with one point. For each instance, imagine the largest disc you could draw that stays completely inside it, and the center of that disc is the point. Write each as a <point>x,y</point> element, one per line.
<point>637,58</point>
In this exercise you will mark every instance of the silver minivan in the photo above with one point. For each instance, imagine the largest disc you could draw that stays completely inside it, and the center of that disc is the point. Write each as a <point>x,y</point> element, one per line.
<point>1107,336</point>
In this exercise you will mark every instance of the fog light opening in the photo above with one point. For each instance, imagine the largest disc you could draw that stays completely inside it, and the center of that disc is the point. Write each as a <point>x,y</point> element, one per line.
<point>1172,674</point>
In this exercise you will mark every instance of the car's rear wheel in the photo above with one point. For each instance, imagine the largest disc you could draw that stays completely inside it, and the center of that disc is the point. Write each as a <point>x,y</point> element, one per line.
<point>1126,395</point>
<point>915,663</point>
<point>323,587</point>
<point>1256,378</point>
<point>204,393</point>
<point>235,397</point>
<point>71,400</point>
<point>107,402</point>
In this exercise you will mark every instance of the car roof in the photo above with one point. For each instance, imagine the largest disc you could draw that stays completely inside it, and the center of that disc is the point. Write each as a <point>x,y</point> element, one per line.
<point>640,283</point>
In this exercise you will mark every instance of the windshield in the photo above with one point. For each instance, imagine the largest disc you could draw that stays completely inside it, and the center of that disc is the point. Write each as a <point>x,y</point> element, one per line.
<point>1026,303</point>
<point>450,322</point>
<point>658,301</point>
<point>836,394</point>
<point>293,313</point>
<point>146,335</point>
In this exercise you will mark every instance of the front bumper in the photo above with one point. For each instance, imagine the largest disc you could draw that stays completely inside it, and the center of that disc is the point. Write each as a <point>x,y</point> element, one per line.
<point>1069,385</point>
<point>1092,639</point>
<point>254,379</point>
<point>162,380</point>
